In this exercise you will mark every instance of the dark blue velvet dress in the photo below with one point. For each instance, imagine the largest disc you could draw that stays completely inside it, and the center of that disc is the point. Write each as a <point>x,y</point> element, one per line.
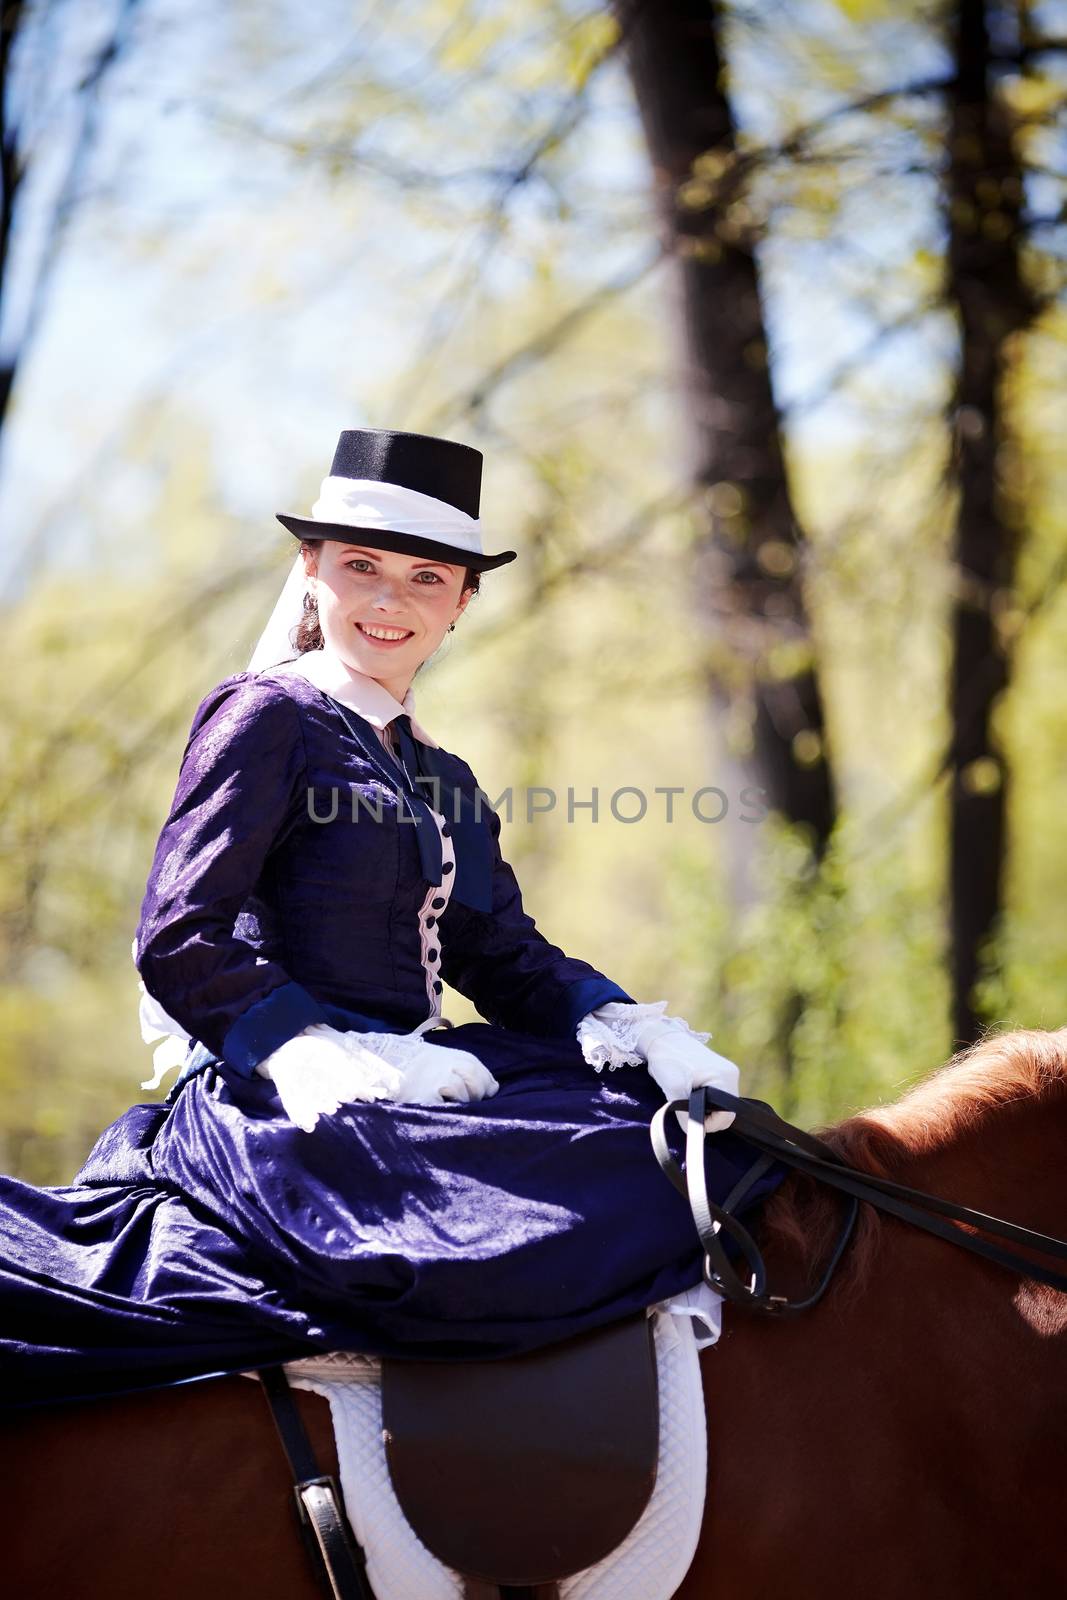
<point>207,1233</point>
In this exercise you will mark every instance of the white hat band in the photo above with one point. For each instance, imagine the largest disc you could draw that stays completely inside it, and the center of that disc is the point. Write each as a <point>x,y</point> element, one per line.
<point>369,503</point>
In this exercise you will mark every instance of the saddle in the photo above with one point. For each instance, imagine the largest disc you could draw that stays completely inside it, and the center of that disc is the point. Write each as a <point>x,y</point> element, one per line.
<point>521,1471</point>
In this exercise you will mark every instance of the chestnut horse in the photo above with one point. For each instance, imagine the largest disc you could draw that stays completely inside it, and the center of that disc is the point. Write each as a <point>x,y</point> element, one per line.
<point>907,1437</point>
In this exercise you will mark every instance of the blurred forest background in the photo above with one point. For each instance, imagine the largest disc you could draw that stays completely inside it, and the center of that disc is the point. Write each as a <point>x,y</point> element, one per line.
<point>757,312</point>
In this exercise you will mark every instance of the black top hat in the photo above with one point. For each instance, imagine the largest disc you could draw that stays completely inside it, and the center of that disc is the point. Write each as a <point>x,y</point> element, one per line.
<point>410,492</point>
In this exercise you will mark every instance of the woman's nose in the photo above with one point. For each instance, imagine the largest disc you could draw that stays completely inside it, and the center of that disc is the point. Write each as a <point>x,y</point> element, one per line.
<point>389,596</point>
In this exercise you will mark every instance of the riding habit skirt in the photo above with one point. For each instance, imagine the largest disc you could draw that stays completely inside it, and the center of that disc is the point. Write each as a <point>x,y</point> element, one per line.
<point>207,1233</point>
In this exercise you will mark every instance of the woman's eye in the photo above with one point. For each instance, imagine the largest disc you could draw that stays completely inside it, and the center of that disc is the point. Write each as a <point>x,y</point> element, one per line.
<point>361,563</point>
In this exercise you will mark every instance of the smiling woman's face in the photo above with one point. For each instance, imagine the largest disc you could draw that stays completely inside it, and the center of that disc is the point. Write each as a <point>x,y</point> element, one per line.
<point>362,592</point>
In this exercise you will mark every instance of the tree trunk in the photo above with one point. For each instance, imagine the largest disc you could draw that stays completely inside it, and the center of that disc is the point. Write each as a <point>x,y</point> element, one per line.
<point>757,647</point>
<point>993,304</point>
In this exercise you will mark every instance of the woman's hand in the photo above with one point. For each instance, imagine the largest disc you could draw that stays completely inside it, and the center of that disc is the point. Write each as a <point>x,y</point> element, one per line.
<point>322,1069</point>
<point>679,1063</point>
<point>439,1074</point>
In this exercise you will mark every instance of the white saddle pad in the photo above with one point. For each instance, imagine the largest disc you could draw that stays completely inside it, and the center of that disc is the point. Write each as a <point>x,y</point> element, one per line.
<point>651,1561</point>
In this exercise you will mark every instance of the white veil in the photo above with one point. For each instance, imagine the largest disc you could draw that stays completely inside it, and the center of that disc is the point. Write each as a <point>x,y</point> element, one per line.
<point>275,643</point>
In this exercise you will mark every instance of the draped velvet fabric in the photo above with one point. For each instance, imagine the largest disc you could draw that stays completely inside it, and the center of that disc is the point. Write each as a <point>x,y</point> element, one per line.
<point>207,1233</point>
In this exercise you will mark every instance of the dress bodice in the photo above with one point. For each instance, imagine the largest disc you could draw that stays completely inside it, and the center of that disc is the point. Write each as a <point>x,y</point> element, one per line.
<point>288,887</point>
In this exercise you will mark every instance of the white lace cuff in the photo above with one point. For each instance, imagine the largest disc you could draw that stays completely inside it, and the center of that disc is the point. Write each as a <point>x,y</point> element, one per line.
<point>400,1050</point>
<point>608,1035</point>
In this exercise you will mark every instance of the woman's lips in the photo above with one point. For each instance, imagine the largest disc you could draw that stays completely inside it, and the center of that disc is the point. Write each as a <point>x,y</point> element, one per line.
<point>383,644</point>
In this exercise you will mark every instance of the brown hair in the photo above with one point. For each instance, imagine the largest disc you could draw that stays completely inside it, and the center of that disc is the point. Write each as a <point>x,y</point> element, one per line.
<point>309,634</point>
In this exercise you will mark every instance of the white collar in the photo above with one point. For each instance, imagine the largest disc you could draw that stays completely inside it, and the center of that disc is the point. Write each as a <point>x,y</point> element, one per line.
<point>366,696</point>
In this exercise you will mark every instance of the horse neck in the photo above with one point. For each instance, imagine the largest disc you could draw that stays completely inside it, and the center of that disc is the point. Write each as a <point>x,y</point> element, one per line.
<point>1000,1154</point>
<point>905,1436</point>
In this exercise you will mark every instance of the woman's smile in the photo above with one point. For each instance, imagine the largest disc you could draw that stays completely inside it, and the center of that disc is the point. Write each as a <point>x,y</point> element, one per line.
<point>384,638</point>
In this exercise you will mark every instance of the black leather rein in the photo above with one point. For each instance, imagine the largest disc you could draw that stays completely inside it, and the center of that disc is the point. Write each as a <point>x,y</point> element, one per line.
<point>759,1125</point>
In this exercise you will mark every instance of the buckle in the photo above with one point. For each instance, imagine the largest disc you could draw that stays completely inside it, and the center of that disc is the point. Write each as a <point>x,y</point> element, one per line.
<point>327,1481</point>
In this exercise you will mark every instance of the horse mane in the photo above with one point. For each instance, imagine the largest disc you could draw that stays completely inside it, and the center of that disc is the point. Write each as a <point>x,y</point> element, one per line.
<point>941,1108</point>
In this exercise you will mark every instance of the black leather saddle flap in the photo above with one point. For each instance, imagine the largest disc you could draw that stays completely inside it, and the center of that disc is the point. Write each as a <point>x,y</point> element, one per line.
<point>531,1468</point>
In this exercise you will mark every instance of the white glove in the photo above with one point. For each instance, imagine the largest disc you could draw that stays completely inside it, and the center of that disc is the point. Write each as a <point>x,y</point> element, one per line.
<point>437,1074</point>
<point>678,1062</point>
<point>430,1075</point>
<point>321,1069</point>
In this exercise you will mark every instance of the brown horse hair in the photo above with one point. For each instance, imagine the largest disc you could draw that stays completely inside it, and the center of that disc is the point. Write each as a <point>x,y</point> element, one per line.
<point>949,1103</point>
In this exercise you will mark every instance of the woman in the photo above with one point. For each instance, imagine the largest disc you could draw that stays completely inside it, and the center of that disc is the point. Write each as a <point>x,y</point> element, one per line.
<point>339,1166</point>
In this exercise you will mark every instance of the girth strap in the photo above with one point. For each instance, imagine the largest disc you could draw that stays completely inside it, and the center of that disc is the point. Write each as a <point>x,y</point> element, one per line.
<point>339,1560</point>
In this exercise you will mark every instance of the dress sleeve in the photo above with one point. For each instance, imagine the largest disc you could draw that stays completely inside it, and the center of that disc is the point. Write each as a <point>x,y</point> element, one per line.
<point>502,962</point>
<point>242,781</point>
